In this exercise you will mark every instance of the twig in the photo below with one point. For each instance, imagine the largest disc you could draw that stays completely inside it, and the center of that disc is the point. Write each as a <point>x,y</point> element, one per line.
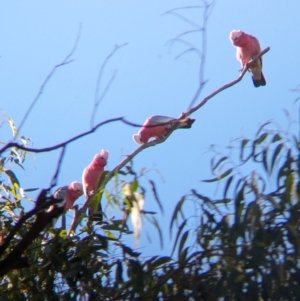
<point>203,102</point>
<point>57,146</point>
<point>40,92</point>
<point>54,178</point>
<point>97,98</point>
<point>202,81</point>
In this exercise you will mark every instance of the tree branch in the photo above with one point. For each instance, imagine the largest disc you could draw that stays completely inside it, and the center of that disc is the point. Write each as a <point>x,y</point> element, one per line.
<point>65,143</point>
<point>45,203</point>
<point>40,92</point>
<point>97,98</point>
<point>203,102</point>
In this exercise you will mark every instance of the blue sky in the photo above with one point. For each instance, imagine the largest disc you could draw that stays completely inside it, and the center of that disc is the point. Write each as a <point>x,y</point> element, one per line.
<point>36,35</point>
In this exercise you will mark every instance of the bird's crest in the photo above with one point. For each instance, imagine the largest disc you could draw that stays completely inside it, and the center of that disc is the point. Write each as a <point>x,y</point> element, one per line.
<point>137,139</point>
<point>77,186</point>
<point>104,153</point>
<point>235,34</point>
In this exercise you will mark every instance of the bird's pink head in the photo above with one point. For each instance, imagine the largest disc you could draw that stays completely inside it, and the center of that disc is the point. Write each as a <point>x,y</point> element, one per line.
<point>137,138</point>
<point>235,35</point>
<point>75,190</point>
<point>77,187</point>
<point>101,158</point>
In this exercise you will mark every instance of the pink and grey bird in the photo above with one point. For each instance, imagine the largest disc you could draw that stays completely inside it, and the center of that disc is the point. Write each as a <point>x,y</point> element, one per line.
<point>247,47</point>
<point>92,174</point>
<point>68,194</point>
<point>157,126</point>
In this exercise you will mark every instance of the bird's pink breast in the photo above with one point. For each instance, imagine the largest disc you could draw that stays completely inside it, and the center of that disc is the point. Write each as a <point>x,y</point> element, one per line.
<point>91,178</point>
<point>152,132</point>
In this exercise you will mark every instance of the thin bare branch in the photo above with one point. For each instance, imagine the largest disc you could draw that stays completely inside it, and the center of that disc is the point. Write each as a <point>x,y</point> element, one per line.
<point>41,90</point>
<point>54,178</point>
<point>98,99</point>
<point>202,81</point>
<point>59,145</point>
<point>183,18</point>
<point>101,97</point>
<point>203,102</point>
<point>207,9</point>
<point>186,51</point>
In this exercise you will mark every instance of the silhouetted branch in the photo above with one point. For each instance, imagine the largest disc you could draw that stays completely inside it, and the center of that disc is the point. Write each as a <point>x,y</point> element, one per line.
<point>203,102</point>
<point>65,143</point>
<point>97,98</point>
<point>202,81</point>
<point>200,28</point>
<point>54,178</point>
<point>42,204</point>
<point>14,258</point>
<point>63,63</point>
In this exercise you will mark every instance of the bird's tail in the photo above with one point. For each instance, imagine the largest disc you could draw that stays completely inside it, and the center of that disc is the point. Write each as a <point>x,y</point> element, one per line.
<point>186,123</point>
<point>96,216</point>
<point>259,82</point>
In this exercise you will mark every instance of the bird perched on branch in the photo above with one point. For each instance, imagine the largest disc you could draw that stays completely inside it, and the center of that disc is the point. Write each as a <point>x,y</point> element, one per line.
<point>247,47</point>
<point>91,176</point>
<point>68,195</point>
<point>157,126</point>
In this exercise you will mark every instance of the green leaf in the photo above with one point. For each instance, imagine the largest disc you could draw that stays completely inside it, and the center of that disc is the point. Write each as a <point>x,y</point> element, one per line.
<point>30,189</point>
<point>129,251</point>
<point>275,155</point>
<point>220,177</point>
<point>175,213</point>
<point>219,162</point>
<point>134,186</point>
<point>15,183</point>
<point>243,144</point>
<point>154,191</point>
<point>110,235</point>
<point>276,138</point>
<point>160,261</point>
<point>13,127</point>
<point>229,180</point>
<point>261,138</point>
<point>148,212</point>
<point>289,183</point>
<point>180,228</point>
<point>12,177</point>
<point>207,201</point>
<point>182,242</point>
<point>265,159</point>
<point>119,272</point>
<point>182,258</point>
<point>262,126</point>
<point>239,204</point>
<point>156,225</point>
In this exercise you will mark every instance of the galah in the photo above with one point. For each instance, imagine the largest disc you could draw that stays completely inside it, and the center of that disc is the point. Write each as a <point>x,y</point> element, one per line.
<point>91,176</point>
<point>247,47</point>
<point>68,195</point>
<point>157,126</point>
